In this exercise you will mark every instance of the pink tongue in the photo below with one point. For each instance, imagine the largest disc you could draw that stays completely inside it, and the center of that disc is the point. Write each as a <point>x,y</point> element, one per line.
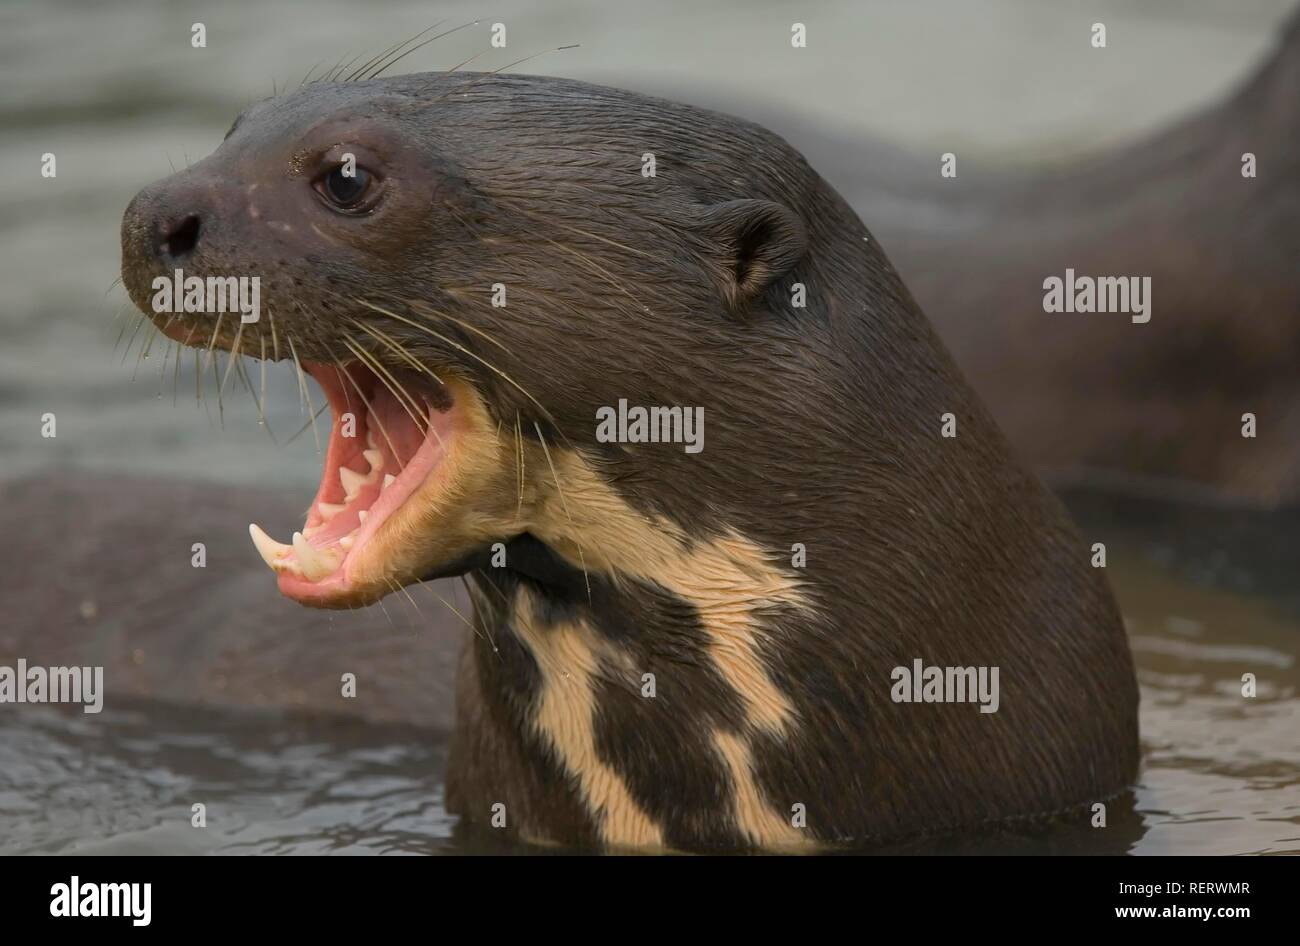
<point>393,428</point>
<point>347,520</point>
<point>390,424</point>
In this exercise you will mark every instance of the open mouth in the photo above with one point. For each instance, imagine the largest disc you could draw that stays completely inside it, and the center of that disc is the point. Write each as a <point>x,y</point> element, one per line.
<point>383,446</point>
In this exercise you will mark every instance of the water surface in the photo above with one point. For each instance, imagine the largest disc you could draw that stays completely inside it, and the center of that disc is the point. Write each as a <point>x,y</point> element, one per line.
<point>1207,596</point>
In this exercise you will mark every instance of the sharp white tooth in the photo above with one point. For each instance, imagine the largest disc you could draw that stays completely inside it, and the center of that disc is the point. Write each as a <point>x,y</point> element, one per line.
<point>375,458</point>
<point>388,480</point>
<point>361,515</point>
<point>270,550</point>
<point>329,510</point>
<point>346,541</point>
<point>315,563</point>
<point>370,438</point>
<point>352,482</point>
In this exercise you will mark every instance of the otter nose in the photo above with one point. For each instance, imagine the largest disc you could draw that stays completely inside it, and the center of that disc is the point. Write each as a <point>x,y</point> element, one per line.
<point>179,236</point>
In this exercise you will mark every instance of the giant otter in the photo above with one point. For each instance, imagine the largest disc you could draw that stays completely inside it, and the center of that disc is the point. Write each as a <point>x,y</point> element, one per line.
<point>101,573</point>
<point>1155,406</point>
<point>674,648</point>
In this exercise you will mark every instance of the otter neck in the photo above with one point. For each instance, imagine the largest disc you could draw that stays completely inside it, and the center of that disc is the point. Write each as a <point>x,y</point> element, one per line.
<point>617,710</point>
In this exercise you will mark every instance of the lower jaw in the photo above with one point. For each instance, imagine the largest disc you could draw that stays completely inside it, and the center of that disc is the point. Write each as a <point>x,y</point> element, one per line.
<point>335,591</point>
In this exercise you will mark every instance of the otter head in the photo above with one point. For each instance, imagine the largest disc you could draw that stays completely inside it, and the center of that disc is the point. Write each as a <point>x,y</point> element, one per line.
<point>479,271</point>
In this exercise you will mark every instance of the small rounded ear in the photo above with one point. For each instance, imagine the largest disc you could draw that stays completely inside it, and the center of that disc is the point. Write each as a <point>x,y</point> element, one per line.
<point>753,243</point>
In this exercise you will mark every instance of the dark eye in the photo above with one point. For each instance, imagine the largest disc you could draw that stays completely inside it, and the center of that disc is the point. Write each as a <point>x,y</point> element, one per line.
<point>343,191</point>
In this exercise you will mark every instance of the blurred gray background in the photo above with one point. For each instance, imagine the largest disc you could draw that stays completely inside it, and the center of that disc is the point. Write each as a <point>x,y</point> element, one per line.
<point>119,95</point>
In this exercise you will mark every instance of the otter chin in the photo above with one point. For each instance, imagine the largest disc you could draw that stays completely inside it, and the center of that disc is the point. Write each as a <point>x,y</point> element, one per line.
<point>676,648</point>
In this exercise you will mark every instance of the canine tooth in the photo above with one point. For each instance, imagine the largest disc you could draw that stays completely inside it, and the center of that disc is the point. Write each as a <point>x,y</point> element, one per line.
<point>388,480</point>
<point>346,541</point>
<point>270,550</point>
<point>361,515</point>
<point>370,439</point>
<point>329,510</point>
<point>375,458</point>
<point>352,482</point>
<point>315,563</point>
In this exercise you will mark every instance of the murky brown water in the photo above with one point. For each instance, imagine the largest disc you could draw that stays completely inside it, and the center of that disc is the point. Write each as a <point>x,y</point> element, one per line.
<point>1207,597</point>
